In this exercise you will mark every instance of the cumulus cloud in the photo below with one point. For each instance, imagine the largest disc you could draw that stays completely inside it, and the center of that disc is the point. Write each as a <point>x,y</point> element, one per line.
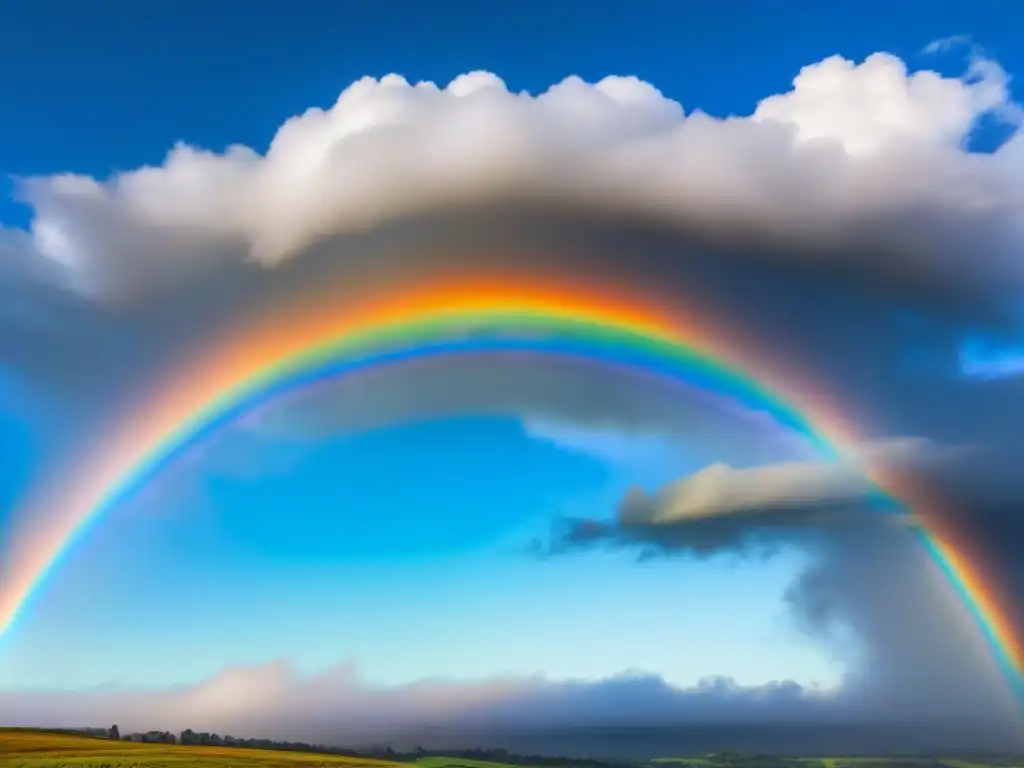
<point>721,490</point>
<point>846,224</point>
<point>852,156</point>
<point>878,104</point>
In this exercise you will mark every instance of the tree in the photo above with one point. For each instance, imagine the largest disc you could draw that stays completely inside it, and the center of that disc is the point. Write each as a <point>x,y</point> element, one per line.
<point>115,732</point>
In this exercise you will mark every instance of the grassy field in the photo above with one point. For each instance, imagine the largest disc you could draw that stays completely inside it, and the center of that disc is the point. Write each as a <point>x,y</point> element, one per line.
<point>457,762</point>
<point>36,749</point>
<point>833,762</point>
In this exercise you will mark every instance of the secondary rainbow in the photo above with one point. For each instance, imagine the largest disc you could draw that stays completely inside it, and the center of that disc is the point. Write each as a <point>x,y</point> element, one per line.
<point>300,341</point>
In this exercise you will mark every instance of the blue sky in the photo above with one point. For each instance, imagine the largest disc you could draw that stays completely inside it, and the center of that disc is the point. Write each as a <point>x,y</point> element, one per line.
<point>367,541</point>
<point>367,547</point>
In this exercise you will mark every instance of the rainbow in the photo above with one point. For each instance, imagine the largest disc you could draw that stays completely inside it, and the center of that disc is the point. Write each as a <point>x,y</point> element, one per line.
<point>296,344</point>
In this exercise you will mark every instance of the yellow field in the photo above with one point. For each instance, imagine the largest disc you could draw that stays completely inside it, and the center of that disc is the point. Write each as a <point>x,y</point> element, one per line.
<point>36,749</point>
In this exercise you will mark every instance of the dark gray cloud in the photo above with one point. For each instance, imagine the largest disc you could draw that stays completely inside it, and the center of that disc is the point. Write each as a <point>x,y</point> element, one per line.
<point>871,582</point>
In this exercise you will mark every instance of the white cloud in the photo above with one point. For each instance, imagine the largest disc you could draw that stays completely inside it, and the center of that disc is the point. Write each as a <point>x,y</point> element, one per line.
<point>719,489</point>
<point>610,445</point>
<point>876,105</point>
<point>944,44</point>
<point>848,143</point>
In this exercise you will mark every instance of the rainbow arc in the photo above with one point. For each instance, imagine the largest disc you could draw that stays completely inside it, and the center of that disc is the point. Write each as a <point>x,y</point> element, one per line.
<point>299,342</point>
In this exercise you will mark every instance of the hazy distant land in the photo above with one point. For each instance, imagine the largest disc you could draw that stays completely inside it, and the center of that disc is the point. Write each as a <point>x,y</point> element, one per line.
<point>30,748</point>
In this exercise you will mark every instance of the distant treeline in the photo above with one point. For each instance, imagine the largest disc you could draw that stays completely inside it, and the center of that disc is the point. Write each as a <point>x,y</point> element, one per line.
<point>721,759</point>
<point>204,738</point>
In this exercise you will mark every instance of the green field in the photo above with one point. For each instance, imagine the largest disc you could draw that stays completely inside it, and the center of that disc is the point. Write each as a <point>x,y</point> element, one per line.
<point>832,762</point>
<point>458,762</point>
